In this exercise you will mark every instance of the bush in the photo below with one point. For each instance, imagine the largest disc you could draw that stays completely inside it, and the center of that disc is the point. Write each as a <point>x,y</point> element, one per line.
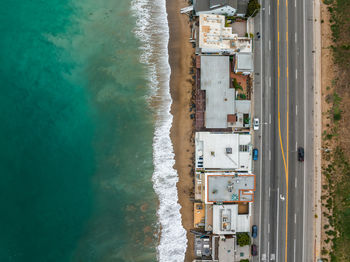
<point>336,114</point>
<point>243,239</point>
<point>241,97</point>
<point>236,85</point>
<point>253,6</point>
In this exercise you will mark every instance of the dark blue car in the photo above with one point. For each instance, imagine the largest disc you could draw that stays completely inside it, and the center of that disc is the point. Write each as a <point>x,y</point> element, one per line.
<point>255,154</point>
<point>254,231</point>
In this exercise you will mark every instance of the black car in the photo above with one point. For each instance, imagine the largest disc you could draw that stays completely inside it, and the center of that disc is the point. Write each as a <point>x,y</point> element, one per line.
<point>254,250</point>
<point>301,154</point>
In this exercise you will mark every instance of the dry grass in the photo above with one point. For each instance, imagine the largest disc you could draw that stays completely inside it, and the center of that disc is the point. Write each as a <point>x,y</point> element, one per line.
<point>336,131</point>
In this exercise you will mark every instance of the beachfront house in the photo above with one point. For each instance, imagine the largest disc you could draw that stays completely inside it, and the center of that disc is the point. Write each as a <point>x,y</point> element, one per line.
<point>220,7</point>
<point>215,37</point>
<point>217,105</point>
<point>223,151</point>
<point>227,220</point>
<point>228,187</point>
<point>244,63</point>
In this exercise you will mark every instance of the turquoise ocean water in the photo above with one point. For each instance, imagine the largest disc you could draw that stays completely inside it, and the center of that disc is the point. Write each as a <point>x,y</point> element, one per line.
<point>76,134</point>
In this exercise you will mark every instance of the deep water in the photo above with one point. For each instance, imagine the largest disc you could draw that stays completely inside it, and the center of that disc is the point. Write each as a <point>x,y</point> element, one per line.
<point>75,134</point>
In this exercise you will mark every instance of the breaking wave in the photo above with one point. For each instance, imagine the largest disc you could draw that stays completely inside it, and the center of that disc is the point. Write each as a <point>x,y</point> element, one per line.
<point>153,31</point>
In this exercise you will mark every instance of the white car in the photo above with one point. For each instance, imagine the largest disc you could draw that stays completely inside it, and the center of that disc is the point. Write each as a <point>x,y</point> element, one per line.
<point>256,124</point>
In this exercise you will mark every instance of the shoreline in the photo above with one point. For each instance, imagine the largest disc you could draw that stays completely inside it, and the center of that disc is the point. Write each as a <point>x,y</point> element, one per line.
<point>182,130</point>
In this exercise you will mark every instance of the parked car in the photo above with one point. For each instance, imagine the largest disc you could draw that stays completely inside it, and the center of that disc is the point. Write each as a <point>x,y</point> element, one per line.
<point>254,231</point>
<point>255,154</point>
<point>254,250</point>
<point>301,154</point>
<point>256,124</point>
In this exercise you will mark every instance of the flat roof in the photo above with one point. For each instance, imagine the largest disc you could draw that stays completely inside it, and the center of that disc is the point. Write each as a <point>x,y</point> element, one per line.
<point>219,98</point>
<point>208,218</point>
<point>202,246</point>
<point>229,187</point>
<point>215,37</point>
<point>227,249</point>
<point>198,215</point>
<point>223,151</point>
<point>227,221</point>
<point>224,219</point>
<point>243,106</point>
<point>244,62</point>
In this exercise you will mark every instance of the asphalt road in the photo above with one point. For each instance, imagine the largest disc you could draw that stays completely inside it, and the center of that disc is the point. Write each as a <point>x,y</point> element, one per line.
<point>283,100</point>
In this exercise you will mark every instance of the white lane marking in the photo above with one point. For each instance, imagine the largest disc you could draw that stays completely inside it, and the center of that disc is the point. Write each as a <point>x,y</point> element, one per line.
<point>295,38</point>
<point>270,81</point>
<point>269,10</point>
<point>262,129</point>
<point>296,73</point>
<point>296,146</point>
<point>270,155</point>
<point>268,228</point>
<point>268,248</point>
<point>295,248</point>
<point>295,3</point>
<point>296,182</point>
<point>296,109</point>
<point>305,110</point>
<point>270,118</point>
<point>295,218</point>
<point>269,191</point>
<point>270,45</point>
<point>278,212</point>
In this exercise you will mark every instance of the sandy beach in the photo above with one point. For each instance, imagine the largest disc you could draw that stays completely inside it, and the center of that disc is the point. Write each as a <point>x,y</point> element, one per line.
<point>180,52</point>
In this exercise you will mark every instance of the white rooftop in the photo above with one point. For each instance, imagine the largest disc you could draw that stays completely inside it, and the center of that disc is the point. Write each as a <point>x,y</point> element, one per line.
<point>214,37</point>
<point>227,249</point>
<point>244,62</point>
<point>223,151</point>
<point>220,98</point>
<point>227,221</point>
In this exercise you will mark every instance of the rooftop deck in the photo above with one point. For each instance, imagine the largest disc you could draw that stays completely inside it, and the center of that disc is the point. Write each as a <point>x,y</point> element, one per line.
<point>198,215</point>
<point>229,188</point>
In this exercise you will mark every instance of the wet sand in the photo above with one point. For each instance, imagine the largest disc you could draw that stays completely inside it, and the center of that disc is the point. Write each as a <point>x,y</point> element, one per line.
<point>180,52</point>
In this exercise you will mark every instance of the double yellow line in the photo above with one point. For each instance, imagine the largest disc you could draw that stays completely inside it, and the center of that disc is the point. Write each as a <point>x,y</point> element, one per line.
<point>284,156</point>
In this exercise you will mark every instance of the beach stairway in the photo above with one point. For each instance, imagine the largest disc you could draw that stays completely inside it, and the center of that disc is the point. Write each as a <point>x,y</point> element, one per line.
<point>186,9</point>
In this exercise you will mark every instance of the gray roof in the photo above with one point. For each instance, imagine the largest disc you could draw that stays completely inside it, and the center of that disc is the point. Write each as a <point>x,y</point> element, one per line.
<point>220,98</point>
<point>219,3</point>
<point>242,7</point>
<point>244,62</point>
<point>243,106</point>
<point>206,5</point>
<point>230,188</point>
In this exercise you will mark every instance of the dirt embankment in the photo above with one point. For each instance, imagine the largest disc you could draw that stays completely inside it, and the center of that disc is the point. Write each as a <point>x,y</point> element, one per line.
<point>335,24</point>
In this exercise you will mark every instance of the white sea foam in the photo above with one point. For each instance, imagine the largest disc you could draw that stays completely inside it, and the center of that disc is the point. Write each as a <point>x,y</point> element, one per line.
<point>153,30</point>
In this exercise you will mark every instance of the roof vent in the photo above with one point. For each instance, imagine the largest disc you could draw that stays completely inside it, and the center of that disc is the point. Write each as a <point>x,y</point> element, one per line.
<point>228,150</point>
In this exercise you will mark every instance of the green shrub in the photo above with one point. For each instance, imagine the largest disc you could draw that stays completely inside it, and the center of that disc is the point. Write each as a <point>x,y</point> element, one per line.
<point>336,114</point>
<point>236,85</point>
<point>253,7</point>
<point>241,97</point>
<point>243,239</point>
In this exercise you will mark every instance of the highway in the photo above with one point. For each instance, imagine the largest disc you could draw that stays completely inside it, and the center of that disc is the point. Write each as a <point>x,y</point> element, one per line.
<point>283,101</point>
